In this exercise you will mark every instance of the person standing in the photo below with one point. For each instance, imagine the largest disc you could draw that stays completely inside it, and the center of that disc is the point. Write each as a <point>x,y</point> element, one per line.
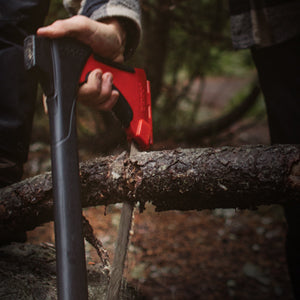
<point>271,29</point>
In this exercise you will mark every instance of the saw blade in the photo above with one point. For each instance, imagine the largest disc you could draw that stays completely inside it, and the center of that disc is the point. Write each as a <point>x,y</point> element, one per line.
<point>121,244</point>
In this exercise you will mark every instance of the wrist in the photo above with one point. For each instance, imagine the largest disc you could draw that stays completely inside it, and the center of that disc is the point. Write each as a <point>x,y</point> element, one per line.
<point>119,27</point>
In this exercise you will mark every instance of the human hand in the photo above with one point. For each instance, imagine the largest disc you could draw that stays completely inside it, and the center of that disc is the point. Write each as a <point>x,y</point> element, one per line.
<point>107,39</point>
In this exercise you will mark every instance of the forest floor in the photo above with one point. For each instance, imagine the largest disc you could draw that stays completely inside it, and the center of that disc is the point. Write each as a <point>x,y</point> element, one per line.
<point>218,254</point>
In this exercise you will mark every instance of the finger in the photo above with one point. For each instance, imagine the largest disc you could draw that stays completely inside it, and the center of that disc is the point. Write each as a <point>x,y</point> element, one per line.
<point>97,91</point>
<point>55,30</point>
<point>110,103</point>
<point>77,26</point>
<point>90,92</point>
<point>107,97</point>
<point>94,80</point>
<point>107,82</point>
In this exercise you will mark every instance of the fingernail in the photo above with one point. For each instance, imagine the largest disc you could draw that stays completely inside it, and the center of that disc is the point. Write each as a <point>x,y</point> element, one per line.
<point>115,96</point>
<point>109,77</point>
<point>99,76</point>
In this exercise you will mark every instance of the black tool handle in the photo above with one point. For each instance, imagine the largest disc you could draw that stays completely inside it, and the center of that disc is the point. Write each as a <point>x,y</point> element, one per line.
<point>59,63</point>
<point>122,110</point>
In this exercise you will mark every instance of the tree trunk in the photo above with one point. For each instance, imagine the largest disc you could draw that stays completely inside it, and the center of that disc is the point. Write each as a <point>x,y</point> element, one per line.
<point>155,44</point>
<point>182,179</point>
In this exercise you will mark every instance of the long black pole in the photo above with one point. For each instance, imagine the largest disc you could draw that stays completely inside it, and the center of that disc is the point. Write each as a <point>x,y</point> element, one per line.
<point>59,63</point>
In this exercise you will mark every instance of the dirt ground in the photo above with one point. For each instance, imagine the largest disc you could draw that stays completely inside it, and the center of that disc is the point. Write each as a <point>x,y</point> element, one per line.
<point>219,254</point>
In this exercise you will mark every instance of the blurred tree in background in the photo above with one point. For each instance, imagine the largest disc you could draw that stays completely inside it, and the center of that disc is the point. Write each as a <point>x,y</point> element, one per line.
<point>184,43</point>
<point>179,35</point>
<point>56,11</point>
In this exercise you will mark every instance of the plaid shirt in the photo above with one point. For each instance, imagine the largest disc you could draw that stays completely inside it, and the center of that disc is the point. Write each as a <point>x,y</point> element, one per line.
<point>263,23</point>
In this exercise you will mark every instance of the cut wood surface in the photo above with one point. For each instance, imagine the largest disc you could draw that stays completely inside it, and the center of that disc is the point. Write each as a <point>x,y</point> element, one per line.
<point>181,179</point>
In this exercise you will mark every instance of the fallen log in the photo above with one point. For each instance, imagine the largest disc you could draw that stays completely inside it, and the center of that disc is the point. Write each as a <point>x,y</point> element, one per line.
<point>181,179</point>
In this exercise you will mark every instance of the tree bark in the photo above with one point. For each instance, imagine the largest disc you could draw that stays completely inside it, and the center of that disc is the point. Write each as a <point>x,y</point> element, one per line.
<point>182,179</point>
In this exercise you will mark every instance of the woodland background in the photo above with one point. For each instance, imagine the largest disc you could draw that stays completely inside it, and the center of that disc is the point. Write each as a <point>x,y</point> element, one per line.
<point>203,94</point>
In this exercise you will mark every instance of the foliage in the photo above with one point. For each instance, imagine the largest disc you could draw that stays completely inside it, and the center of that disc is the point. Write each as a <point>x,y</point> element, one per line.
<point>198,34</point>
<point>184,42</point>
<point>56,11</point>
<point>198,37</point>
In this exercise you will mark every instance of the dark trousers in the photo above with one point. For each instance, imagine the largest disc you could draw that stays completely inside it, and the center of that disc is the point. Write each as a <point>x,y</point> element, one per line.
<point>279,74</point>
<point>18,18</point>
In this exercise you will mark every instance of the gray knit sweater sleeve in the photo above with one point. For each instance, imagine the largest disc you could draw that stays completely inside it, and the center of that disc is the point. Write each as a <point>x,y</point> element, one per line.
<point>128,11</point>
